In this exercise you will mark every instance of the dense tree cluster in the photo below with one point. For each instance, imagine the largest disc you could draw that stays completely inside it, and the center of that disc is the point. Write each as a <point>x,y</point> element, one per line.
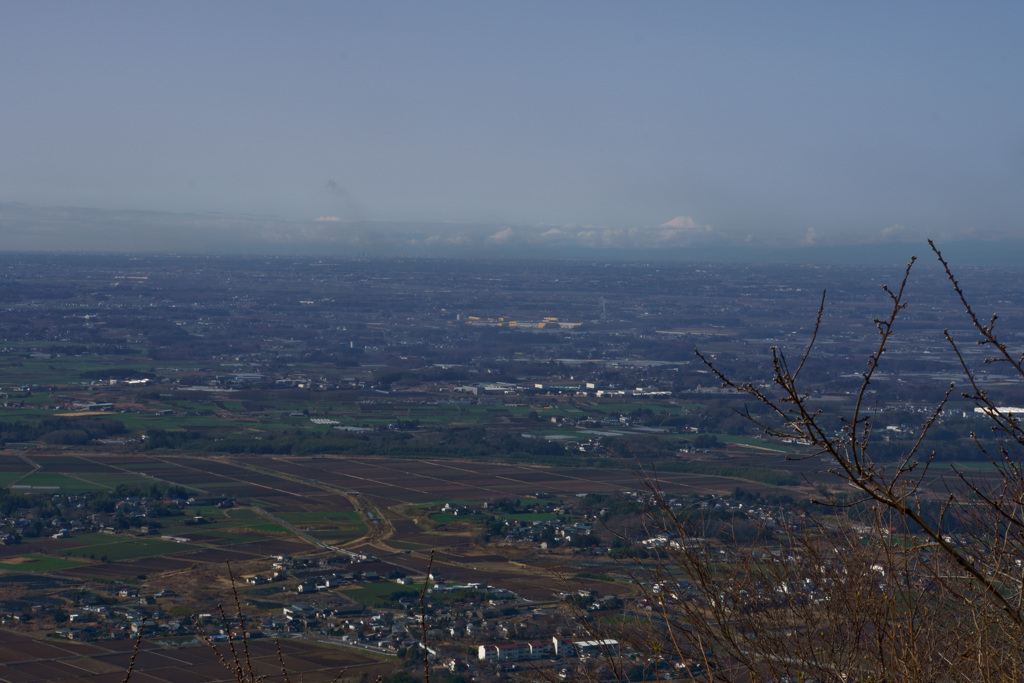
<point>62,430</point>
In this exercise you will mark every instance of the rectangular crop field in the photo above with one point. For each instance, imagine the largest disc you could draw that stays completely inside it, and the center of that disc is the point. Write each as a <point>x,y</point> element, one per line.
<point>120,548</point>
<point>56,482</point>
<point>382,594</point>
<point>38,563</point>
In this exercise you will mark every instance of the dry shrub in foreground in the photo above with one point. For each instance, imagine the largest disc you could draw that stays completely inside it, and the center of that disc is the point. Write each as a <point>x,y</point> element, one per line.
<point>893,598</point>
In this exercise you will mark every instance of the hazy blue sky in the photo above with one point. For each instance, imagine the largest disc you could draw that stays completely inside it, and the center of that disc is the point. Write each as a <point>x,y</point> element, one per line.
<point>589,123</point>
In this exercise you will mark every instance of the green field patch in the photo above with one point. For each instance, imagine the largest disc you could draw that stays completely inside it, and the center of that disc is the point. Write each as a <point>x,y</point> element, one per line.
<point>336,536</point>
<point>274,426</point>
<point>242,515</point>
<point>120,548</point>
<point>383,593</point>
<point>563,433</point>
<point>332,540</point>
<point>113,480</point>
<point>626,408</point>
<point>90,540</point>
<point>224,537</point>
<point>333,527</point>
<point>38,563</point>
<point>298,518</point>
<point>7,478</point>
<point>606,578</point>
<point>214,487</point>
<point>142,465</point>
<point>409,545</point>
<point>269,527</point>
<point>208,512</point>
<point>187,530</point>
<point>140,422</point>
<point>247,530</point>
<point>42,482</point>
<point>449,518</point>
<point>445,518</point>
<point>214,421</point>
<point>351,528</point>
<point>29,412</point>
<point>519,410</point>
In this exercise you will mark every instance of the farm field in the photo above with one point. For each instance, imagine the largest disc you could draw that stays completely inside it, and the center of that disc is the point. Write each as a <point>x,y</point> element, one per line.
<point>37,563</point>
<point>30,660</point>
<point>116,549</point>
<point>299,502</point>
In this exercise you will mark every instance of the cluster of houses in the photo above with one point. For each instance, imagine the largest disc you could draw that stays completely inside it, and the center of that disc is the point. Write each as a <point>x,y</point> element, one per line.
<point>124,614</point>
<point>313,599</point>
<point>541,388</point>
<point>62,515</point>
<point>460,614</point>
<point>546,649</point>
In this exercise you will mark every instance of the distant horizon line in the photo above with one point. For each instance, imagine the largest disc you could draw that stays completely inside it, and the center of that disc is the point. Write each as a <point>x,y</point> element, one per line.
<point>963,254</point>
<point>26,228</point>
